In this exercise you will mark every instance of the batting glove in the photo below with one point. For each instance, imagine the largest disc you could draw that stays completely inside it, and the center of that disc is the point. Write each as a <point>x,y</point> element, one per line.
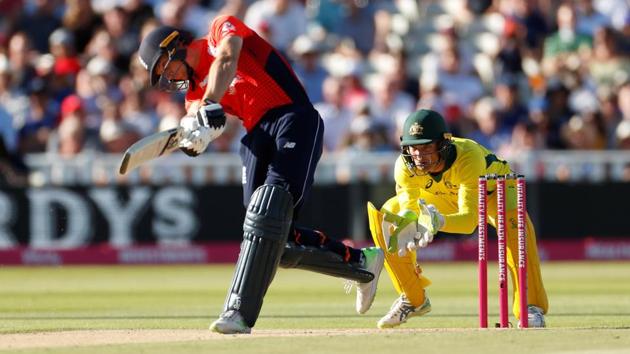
<point>200,130</point>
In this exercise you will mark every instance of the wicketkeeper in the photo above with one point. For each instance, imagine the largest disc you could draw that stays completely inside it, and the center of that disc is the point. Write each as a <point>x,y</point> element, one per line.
<point>236,70</point>
<point>436,190</point>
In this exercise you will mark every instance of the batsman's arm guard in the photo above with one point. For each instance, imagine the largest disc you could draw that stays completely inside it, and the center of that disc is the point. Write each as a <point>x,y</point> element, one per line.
<point>265,232</point>
<point>321,260</point>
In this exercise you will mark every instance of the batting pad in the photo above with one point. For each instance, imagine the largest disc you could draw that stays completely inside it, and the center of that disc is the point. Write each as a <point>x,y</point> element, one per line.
<point>322,260</point>
<point>405,273</point>
<point>265,232</point>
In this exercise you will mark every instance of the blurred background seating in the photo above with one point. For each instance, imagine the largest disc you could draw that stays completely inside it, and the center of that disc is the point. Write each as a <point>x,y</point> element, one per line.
<point>543,83</point>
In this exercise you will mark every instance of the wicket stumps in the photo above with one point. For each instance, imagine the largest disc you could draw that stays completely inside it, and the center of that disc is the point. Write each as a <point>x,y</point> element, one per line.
<point>502,248</point>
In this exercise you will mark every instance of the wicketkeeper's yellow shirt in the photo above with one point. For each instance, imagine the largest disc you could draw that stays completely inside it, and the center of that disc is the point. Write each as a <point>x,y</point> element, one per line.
<point>454,191</point>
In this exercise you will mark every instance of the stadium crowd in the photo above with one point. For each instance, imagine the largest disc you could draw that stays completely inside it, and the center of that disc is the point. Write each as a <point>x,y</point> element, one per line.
<point>515,75</point>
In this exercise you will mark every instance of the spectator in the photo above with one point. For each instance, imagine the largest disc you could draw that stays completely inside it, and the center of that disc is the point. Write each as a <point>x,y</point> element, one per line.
<point>327,13</point>
<point>335,115</point>
<point>623,135</point>
<point>72,136</point>
<point>580,133</point>
<point>509,58</point>
<point>13,172</point>
<point>394,62</point>
<point>510,109</point>
<point>526,138</point>
<point>62,45</point>
<point>102,45</point>
<point>40,121</point>
<point>366,135</point>
<point>617,11</point>
<point>608,67</point>
<point>557,113</point>
<point>623,104</point>
<point>196,13</point>
<point>532,21</point>
<point>11,99</point>
<point>448,40</point>
<point>490,131</point>
<point>67,65</point>
<point>389,105</point>
<point>103,78</point>
<point>116,22</point>
<point>400,69</point>
<point>7,132</point>
<point>135,110</point>
<point>40,23</point>
<point>10,11</point>
<point>171,13</point>
<point>357,24</point>
<point>458,89</point>
<point>623,143</point>
<point>188,15</point>
<point>20,61</point>
<point>236,8</point>
<point>278,21</point>
<point>81,19</point>
<point>589,20</point>
<point>354,92</point>
<point>138,12</point>
<point>431,93</point>
<point>607,103</point>
<point>623,100</point>
<point>116,134</point>
<point>565,42</point>
<point>308,67</point>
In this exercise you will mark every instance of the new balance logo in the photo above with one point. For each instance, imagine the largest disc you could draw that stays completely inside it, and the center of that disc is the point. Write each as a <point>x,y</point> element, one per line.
<point>289,145</point>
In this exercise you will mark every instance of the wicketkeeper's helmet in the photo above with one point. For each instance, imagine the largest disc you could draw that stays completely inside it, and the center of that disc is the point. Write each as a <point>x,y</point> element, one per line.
<point>424,127</point>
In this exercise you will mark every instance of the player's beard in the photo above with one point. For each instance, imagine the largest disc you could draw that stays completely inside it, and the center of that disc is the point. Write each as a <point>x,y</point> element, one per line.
<point>425,166</point>
<point>422,166</point>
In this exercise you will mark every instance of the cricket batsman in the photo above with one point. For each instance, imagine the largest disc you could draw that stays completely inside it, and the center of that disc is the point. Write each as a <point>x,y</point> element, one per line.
<point>436,190</point>
<point>234,70</point>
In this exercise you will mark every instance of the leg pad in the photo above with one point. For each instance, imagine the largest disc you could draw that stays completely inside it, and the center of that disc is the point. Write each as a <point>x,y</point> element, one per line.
<point>321,260</point>
<point>265,231</point>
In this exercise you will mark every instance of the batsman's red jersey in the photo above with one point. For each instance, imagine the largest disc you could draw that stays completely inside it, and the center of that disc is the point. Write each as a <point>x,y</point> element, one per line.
<point>264,80</point>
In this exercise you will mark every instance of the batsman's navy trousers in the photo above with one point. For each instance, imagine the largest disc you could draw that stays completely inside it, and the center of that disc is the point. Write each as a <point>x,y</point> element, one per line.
<point>283,149</point>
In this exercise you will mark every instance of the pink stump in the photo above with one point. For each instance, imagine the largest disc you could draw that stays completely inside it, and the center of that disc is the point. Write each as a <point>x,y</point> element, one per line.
<point>501,235</point>
<point>483,253</point>
<point>522,248</point>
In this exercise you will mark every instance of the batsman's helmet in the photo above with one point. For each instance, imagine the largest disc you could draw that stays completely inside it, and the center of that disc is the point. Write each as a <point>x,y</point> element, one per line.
<point>160,41</point>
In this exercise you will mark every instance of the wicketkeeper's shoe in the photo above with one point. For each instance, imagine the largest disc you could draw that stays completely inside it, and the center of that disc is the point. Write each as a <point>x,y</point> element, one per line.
<point>402,310</point>
<point>373,260</point>
<point>230,322</point>
<point>535,317</point>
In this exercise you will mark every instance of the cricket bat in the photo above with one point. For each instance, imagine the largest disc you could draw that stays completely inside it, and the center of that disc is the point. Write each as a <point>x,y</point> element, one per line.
<point>149,148</point>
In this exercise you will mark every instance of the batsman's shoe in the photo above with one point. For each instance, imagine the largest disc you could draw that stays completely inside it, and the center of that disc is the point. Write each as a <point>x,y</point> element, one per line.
<point>373,260</point>
<point>230,322</point>
<point>535,317</point>
<point>402,310</point>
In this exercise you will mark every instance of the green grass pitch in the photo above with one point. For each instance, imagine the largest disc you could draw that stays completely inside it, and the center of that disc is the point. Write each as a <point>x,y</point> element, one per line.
<point>167,309</point>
